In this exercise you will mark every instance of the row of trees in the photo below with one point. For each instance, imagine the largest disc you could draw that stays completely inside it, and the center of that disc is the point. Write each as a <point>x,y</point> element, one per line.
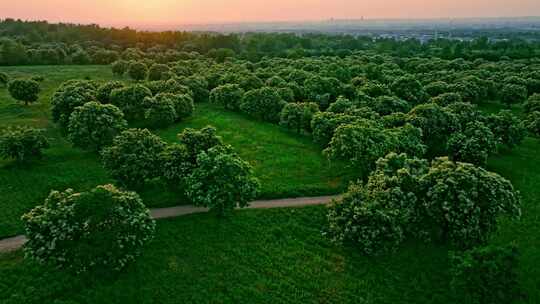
<point>44,43</point>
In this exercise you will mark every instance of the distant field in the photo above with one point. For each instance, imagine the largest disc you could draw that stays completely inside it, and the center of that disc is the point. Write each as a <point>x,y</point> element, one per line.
<point>286,164</point>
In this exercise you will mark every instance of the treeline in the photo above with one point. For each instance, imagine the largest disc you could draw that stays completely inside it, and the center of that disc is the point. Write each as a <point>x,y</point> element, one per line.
<point>40,42</point>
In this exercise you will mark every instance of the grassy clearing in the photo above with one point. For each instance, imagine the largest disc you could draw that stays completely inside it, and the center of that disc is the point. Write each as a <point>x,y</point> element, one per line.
<point>287,164</point>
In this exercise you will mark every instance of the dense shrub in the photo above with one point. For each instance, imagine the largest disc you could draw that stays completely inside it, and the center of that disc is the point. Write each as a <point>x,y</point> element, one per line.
<point>159,113</point>
<point>473,145</point>
<point>103,229</point>
<point>409,89</point>
<point>455,203</point>
<point>513,94</point>
<point>486,275</point>
<point>67,97</point>
<point>103,93</point>
<point>94,125</point>
<point>131,100</point>
<point>372,225</point>
<point>22,143</point>
<point>137,70</point>
<point>374,89</point>
<point>464,202</point>
<point>341,105</point>
<point>437,124</point>
<point>198,85</point>
<point>298,116</point>
<point>25,90</point>
<point>507,128</point>
<point>133,157</point>
<point>386,105</point>
<point>197,141</point>
<point>533,123</point>
<point>221,181</point>
<point>322,90</point>
<point>464,113</point>
<point>446,99</point>
<point>360,143</point>
<point>324,124</point>
<point>437,88</point>
<point>182,103</point>
<point>406,139</point>
<point>264,103</point>
<point>532,104</point>
<point>176,164</point>
<point>229,96</point>
<point>157,71</point>
<point>171,86</point>
<point>4,78</point>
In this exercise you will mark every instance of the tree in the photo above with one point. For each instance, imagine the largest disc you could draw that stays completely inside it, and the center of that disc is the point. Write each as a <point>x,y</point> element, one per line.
<point>532,104</point>
<point>25,90</point>
<point>298,116</point>
<point>513,94</point>
<point>446,99</point>
<point>437,88</point>
<point>222,181</point>
<point>133,158</point>
<point>360,143</point>
<point>228,95</point>
<point>375,89</point>
<point>4,78</point>
<point>176,164</point>
<point>159,113</point>
<point>137,70</point>
<point>532,123</point>
<point>379,215</point>
<point>473,145</point>
<point>342,104</point>
<point>183,104</point>
<point>198,85</point>
<point>67,97</point>
<point>437,124</point>
<point>264,103</point>
<point>507,128</point>
<point>197,141</point>
<point>386,105</point>
<point>220,54</point>
<point>324,124</point>
<point>158,71</point>
<point>131,100</point>
<point>409,89</point>
<point>322,90</point>
<point>94,125</point>
<point>22,143</point>
<point>463,202</point>
<point>103,229</point>
<point>119,67</point>
<point>103,93</point>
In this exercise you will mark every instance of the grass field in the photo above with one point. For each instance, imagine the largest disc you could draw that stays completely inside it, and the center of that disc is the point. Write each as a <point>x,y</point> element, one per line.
<point>256,256</point>
<point>287,164</point>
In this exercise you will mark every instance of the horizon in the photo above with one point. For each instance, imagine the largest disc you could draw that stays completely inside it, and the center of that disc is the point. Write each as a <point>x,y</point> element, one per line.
<point>178,26</point>
<point>174,13</point>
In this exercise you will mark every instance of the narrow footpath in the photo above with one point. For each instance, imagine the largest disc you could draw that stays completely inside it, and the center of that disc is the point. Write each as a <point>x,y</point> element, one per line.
<point>16,242</point>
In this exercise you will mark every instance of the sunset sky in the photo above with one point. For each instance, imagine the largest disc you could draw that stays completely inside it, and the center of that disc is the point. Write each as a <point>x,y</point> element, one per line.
<point>155,12</point>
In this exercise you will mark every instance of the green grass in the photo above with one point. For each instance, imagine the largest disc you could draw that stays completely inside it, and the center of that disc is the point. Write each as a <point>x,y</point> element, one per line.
<point>256,256</point>
<point>287,164</point>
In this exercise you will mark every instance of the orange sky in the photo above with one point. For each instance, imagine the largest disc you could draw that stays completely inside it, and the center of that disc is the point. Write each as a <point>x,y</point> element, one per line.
<point>141,12</point>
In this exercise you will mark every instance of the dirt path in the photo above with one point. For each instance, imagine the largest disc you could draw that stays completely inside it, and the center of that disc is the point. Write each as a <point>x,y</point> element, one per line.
<point>14,243</point>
